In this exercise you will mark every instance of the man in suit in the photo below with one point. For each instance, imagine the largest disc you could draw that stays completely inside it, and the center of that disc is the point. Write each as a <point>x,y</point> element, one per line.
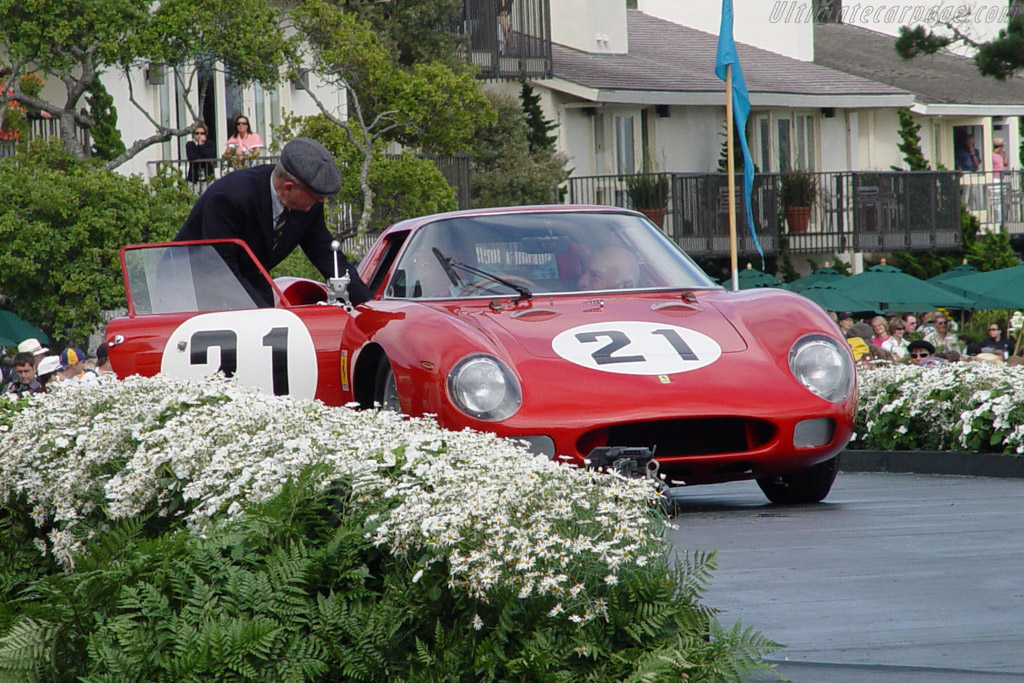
<point>273,209</point>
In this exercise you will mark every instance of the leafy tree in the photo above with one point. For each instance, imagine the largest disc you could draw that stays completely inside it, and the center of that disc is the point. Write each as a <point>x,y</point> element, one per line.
<point>416,31</point>
<point>427,107</point>
<point>73,41</point>
<point>404,185</point>
<point>505,171</point>
<point>62,222</point>
<point>540,128</point>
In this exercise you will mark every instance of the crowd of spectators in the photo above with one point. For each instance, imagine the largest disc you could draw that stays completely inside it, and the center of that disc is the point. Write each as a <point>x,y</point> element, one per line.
<point>932,338</point>
<point>32,368</point>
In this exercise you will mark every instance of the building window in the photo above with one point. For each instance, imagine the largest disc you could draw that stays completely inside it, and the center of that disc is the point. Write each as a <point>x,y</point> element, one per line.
<point>625,154</point>
<point>784,142</point>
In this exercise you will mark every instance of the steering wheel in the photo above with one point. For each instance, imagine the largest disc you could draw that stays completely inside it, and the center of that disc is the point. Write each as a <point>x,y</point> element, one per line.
<point>486,286</point>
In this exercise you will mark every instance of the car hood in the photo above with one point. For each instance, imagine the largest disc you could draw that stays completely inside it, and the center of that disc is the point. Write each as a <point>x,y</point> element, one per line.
<point>613,329</point>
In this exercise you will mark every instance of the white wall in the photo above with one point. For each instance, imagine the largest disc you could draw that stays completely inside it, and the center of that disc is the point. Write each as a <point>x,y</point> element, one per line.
<point>776,25</point>
<point>590,25</point>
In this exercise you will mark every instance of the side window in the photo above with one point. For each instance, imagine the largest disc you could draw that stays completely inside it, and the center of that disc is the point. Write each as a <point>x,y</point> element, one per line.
<point>185,279</point>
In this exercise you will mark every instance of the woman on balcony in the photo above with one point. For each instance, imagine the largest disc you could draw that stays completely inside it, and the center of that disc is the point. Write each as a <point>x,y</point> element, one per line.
<point>243,145</point>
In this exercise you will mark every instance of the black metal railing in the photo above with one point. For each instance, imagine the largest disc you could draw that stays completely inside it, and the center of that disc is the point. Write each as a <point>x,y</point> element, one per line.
<point>863,211</point>
<point>508,38</point>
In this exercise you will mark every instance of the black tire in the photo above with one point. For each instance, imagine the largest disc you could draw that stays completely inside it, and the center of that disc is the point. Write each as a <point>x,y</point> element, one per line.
<point>809,485</point>
<point>385,390</point>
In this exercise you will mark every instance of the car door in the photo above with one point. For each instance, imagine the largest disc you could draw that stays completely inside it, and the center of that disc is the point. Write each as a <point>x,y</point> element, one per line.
<point>189,315</point>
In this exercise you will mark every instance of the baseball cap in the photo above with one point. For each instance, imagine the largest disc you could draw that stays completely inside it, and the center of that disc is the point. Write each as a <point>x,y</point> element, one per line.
<point>101,352</point>
<point>32,346</point>
<point>70,356</point>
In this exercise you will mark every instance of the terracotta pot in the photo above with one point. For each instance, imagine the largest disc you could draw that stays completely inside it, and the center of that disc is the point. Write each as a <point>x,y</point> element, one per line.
<point>797,217</point>
<point>656,216</point>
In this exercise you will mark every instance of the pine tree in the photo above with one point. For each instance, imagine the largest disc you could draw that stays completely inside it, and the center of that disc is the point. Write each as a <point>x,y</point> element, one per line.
<point>911,143</point>
<point>106,138</point>
<point>540,127</point>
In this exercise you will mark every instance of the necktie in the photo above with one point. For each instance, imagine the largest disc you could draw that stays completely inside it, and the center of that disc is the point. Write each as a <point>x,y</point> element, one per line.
<point>279,226</point>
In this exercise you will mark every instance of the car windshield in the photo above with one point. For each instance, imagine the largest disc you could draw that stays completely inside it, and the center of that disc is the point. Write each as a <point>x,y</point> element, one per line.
<point>186,278</point>
<point>547,253</point>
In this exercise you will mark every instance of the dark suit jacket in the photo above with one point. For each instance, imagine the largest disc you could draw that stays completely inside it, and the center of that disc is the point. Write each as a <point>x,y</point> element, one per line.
<point>239,206</point>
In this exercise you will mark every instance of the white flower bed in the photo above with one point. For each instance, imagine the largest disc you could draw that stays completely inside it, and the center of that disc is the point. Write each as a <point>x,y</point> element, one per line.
<point>500,515</point>
<point>961,406</point>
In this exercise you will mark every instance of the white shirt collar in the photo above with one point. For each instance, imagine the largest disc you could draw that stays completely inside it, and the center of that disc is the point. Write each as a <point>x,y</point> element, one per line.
<point>275,202</point>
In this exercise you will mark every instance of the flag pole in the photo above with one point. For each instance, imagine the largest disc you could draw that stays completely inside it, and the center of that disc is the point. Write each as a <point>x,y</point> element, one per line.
<point>730,170</point>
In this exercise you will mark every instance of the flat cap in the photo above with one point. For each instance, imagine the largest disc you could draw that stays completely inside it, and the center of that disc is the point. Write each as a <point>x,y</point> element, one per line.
<point>312,165</point>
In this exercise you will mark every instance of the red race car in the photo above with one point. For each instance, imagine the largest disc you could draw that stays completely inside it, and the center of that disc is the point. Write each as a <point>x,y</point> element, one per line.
<point>582,330</point>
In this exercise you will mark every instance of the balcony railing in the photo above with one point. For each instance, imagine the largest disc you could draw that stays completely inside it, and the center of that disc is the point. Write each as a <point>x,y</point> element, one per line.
<point>508,38</point>
<point>40,128</point>
<point>861,211</point>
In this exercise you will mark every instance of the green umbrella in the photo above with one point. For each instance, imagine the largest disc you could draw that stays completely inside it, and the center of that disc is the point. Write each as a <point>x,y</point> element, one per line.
<point>820,275</point>
<point>751,277</point>
<point>890,289</point>
<point>1002,288</point>
<point>953,273</point>
<point>14,330</point>
<point>828,296</point>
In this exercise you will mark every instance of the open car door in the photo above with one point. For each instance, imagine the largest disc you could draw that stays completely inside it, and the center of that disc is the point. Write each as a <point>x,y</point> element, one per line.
<point>190,315</point>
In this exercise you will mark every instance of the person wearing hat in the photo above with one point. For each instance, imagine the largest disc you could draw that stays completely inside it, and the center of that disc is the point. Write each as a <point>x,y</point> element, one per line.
<point>273,209</point>
<point>35,348</point>
<point>998,154</point>
<point>72,364</point>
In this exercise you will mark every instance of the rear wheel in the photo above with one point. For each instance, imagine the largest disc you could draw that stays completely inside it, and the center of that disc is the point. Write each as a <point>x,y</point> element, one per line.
<point>385,390</point>
<point>809,485</point>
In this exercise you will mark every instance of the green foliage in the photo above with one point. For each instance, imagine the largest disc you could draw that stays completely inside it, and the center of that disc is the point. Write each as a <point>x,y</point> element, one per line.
<point>73,42</point>
<point>540,128</point>
<point>505,171</point>
<point>910,143</point>
<point>963,406</point>
<point>916,41</point>
<point>106,137</point>
<point>62,222</point>
<point>403,186</point>
<point>648,190</point>
<point>417,31</point>
<point>799,189</point>
<point>992,251</point>
<point>310,585</point>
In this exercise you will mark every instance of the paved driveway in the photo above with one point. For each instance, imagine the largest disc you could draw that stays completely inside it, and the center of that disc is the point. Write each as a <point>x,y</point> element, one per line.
<point>895,577</point>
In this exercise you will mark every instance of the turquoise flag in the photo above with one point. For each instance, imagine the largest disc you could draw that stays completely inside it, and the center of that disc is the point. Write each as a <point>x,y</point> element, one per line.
<point>740,108</point>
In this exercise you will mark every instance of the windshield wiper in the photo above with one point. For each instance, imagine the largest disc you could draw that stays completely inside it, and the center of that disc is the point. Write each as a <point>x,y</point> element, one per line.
<point>449,264</point>
<point>446,265</point>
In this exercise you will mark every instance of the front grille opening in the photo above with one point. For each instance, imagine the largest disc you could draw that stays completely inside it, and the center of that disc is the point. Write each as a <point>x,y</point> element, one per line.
<point>694,436</point>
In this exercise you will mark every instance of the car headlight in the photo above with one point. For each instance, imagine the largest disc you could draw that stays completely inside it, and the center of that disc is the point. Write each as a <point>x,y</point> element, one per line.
<point>485,388</point>
<point>819,364</point>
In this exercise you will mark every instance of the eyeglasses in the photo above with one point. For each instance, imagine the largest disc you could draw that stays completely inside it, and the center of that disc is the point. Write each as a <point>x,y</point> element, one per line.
<point>242,123</point>
<point>941,322</point>
<point>199,132</point>
<point>920,355</point>
<point>993,329</point>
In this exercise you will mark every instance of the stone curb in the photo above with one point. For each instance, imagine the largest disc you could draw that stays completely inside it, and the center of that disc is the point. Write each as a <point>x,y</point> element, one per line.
<point>934,462</point>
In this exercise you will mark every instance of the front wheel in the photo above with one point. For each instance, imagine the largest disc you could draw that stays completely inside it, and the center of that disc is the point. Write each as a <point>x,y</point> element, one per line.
<point>809,485</point>
<point>385,389</point>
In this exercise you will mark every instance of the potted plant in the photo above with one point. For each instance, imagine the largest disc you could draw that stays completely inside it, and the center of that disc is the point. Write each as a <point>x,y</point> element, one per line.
<point>799,192</point>
<point>648,193</point>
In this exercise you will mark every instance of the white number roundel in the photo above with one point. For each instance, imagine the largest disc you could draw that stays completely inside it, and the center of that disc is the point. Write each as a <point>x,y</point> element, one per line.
<point>269,349</point>
<point>630,347</point>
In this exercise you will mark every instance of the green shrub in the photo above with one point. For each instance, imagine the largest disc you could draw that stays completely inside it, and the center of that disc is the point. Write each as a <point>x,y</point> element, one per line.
<point>208,532</point>
<point>960,406</point>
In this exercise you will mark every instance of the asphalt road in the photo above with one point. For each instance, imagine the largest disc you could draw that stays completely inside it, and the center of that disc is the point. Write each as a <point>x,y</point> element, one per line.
<point>895,577</point>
